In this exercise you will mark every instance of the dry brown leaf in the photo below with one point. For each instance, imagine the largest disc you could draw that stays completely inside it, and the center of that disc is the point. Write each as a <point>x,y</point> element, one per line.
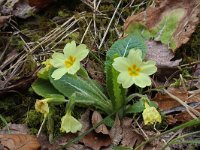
<point>165,102</point>
<point>3,20</point>
<point>96,140</point>
<point>93,140</point>
<point>130,137</point>
<point>161,55</point>
<point>177,113</point>
<point>85,121</point>
<point>39,3</point>
<point>96,118</point>
<point>15,129</point>
<point>23,8</point>
<point>19,141</point>
<point>78,147</point>
<point>116,131</point>
<point>153,15</point>
<point>17,8</point>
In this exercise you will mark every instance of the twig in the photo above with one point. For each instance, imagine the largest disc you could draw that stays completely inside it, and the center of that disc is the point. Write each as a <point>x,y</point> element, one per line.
<point>86,31</point>
<point>142,130</point>
<point>38,134</point>
<point>90,6</point>
<point>188,108</point>
<point>190,64</point>
<point>109,25</point>
<point>94,19</point>
<point>185,125</point>
<point>195,92</point>
<point>64,38</point>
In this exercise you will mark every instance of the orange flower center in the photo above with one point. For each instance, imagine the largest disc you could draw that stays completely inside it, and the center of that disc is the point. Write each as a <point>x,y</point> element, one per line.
<point>69,61</point>
<point>134,70</point>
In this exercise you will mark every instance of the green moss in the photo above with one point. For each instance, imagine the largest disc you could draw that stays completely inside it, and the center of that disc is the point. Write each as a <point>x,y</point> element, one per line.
<point>33,119</point>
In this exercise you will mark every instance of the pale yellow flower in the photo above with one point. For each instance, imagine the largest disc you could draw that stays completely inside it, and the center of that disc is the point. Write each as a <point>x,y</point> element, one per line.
<point>70,124</point>
<point>150,115</point>
<point>42,106</point>
<point>69,62</point>
<point>133,70</point>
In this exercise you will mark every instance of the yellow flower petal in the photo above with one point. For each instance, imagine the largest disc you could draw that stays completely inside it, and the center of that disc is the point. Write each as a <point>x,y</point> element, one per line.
<point>125,80</point>
<point>70,124</point>
<point>135,57</point>
<point>70,49</point>
<point>149,67</point>
<point>74,68</point>
<point>57,59</point>
<point>120,64</point>
<point>82,52</point>
<point>142,80</point>
<point>150,115</point>
<point>58,73</point>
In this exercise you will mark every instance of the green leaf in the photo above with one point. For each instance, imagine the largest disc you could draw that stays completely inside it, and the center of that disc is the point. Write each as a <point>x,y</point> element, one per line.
<point>121,47</point>
<point>56,98</point>
<point>109,122</point>
<point>115,90</point>
<point>121,148</point>
<point>153,104</point>
<point>69,84</point>
<point>137,107</point>
<point>87,93</point>
<point>44,88</point>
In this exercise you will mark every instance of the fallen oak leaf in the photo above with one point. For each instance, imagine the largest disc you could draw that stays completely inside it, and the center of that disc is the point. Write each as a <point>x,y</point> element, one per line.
<point>96,118</point>
<point>19,141</point>
<point>116,131</point>
<point>93,140</point>
<point>130,137</point>
<point>161,55</point>
<point>85,121</point>
<point>15,129</point>
<point>163,58</point>
<point>96,140</point>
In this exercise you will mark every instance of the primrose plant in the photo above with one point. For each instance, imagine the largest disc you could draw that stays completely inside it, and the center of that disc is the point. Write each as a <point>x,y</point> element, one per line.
<point>64,80</point>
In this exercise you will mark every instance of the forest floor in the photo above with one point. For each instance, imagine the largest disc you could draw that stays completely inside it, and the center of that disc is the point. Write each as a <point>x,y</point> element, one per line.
<point>30,35</point>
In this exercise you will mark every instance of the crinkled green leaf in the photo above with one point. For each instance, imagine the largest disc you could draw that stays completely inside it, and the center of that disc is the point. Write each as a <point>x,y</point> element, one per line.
<point>87,93</point>
<point>122,46</point>
<point>44,88</point>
